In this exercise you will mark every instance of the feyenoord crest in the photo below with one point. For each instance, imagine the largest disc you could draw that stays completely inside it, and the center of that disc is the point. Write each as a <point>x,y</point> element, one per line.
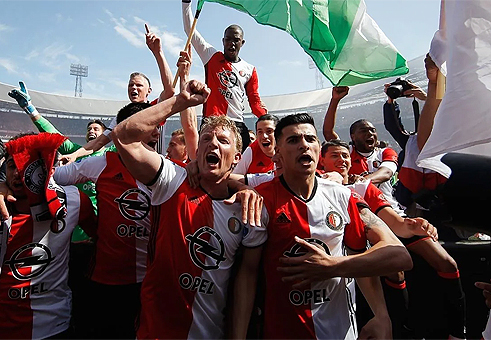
<point>376,164</point>
<point>297,250</point>
<point>334,221</point>
<point>199,243</point>
<point>35,176</point>
<point>234,225</point>
<point>228,78</point>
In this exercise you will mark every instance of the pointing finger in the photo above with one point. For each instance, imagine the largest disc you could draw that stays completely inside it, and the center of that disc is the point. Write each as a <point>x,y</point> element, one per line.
<point>147,29</point>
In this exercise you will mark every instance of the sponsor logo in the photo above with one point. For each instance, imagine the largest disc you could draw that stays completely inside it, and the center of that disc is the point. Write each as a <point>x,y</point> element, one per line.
<point>307,297</point>
<point>297,250</point>
<point>118,176</point>
<point>201,248</point>
<point>23,292</point>
<point>334,221</point>
<point>139,231</point>
<point>134,204</point>
<point>35,176</point>
<point>199,284</point>
<point>228,78</point>
<point>234,225</point>
<point>35,256</point>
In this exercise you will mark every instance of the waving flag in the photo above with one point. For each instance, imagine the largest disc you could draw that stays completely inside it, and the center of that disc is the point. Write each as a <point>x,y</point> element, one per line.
<point>343,40</point>
<point>462,123</point>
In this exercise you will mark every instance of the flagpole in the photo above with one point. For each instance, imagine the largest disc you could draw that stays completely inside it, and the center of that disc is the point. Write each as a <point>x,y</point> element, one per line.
<point>441,79</point>
<point>191,32</point>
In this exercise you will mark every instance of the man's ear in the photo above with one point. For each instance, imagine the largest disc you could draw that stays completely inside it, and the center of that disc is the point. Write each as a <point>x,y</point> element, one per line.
<point>243,42</point>
<point>149,90</point>
<point>237,158</point>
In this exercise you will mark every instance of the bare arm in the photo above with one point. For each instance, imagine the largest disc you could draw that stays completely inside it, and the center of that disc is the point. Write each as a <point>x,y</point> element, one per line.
<point>245,292</point>
<point>380,326</point>
<point>155,46</point>
<point>338,93</point>
<point>383,174</point>
<point>430,108</point>
<point>387,255</point>
<point>189,122</point>
<point>88,149</point>
<point>407,227</point>
<point>142,161</point>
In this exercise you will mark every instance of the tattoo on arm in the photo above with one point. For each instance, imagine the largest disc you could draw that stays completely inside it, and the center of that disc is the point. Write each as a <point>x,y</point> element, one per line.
<point>370,219</point>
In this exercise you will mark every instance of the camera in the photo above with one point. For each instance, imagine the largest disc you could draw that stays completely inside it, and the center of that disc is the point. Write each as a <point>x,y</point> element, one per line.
<point>397,88</point>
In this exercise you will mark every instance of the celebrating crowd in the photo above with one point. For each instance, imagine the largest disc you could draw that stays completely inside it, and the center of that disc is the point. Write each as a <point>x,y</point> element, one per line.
<point>216,236</point>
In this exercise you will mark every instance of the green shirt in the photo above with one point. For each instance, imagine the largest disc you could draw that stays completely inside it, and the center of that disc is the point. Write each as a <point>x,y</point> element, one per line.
<point>88,188</point>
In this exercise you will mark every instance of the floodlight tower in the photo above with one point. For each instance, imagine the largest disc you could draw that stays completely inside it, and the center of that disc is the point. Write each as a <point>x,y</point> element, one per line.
<point>79,71</point>
<point>319,78</point>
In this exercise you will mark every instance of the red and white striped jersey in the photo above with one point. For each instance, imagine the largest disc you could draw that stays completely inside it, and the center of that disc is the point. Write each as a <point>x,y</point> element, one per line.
<point>374,197</point>
<point>35,300</point>
<point>254,161</point>
<point>230,82</point>
<point>414,177</point>
<point>191,252</point>
<point>329,218</point>
<point>123,206</point>
<point>380,157</point>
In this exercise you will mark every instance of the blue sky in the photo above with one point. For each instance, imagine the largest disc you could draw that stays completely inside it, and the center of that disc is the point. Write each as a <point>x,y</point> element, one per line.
<point>40,39</point>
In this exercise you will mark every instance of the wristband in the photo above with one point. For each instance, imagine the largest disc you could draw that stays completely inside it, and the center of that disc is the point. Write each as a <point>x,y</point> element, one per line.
<point>31,110</point>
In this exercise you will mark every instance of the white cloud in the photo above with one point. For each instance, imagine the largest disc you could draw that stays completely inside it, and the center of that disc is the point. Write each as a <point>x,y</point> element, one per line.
<point>94,87</point>
<point>55,54</point>
<point>117,82</point>
<point>47,77</point>
<point>290,63</point>
<point>8,65</point>
<point>172,42</point>
<point>4,27</point>
<point>131,33</point>
<point>32,54</point>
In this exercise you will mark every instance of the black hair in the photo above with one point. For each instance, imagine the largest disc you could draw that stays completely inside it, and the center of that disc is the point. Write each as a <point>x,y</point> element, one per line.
<point>235,27</point>
<point>299,118</point>
<point>2,149</point>
<point>333,142</point>
<point>354,126</point>
<point>130,109</point>
<point>96,121</point>
<point>267,116</point>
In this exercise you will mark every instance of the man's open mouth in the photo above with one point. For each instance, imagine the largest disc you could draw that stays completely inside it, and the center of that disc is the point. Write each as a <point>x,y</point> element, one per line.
<point>212,158</point>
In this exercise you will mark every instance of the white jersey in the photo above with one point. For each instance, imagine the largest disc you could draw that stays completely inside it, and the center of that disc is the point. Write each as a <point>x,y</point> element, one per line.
<point>35,300</point>
<point>191,252</point>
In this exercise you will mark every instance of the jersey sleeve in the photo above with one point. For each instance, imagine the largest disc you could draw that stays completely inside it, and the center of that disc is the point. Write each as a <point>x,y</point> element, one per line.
<point>252,91</point>
<point>204,49</point>
<point>88,169</point>
<point>244,162</point>
<point>389,155</point>
<point>110,128</point>
<point>256,236</point>
<point>255,180</point>
<point>375,198</point>
<point>168,179</point>
<point>45,125</point>
<point>354,233</point>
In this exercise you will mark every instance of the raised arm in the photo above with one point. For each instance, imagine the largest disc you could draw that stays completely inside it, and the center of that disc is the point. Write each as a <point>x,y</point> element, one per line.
<point>189,122</point>
<point>21,95</point>
<point>155,46</point>
<point>338,93</point>
<point>252,90</point>
<point>142,161</point>
<point>430,108</point>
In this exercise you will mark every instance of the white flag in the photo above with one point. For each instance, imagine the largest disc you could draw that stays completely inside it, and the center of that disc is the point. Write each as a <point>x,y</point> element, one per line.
<point>463,121</point>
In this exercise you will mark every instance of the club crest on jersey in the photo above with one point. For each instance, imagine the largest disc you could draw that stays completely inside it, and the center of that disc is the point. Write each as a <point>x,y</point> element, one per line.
<point>334,221</point>
<point>298,250</point>
<point>228,78</point>
<point>35,176</point>
<point>29,261</point>
<point>376,164</point>
<point>134,204</point>
<point>234,225</point>
<point>201,243</point>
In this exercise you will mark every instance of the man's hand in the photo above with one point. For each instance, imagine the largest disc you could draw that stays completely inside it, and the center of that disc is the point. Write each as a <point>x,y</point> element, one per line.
<point>416,91</point>
<point>353,178</point>
<point>252,205</point>
<point>376,328</point>
<point>153,41</point>
<point>431,69</point>
<point>486,291</point>
<point>23,99</point>
<point>6,195</point>
<point>193,174</point>
<point>184,64</point>
<point>315,265</point>
<point>339,92</point>
<point>195,92</point>
<point>421,227</point>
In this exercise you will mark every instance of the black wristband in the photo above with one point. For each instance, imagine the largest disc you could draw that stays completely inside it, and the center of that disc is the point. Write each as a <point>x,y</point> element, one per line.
<point>186,1</point>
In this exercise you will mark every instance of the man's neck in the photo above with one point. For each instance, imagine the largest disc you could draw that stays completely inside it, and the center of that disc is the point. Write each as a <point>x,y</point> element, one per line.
<point>217,190</point>
<point>302,186</point>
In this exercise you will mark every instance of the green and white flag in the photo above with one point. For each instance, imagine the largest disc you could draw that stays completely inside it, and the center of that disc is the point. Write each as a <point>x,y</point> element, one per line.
<point>345,43</point>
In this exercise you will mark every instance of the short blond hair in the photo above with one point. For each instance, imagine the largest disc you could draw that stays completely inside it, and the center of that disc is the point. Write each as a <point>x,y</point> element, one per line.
<point>226,123</point>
